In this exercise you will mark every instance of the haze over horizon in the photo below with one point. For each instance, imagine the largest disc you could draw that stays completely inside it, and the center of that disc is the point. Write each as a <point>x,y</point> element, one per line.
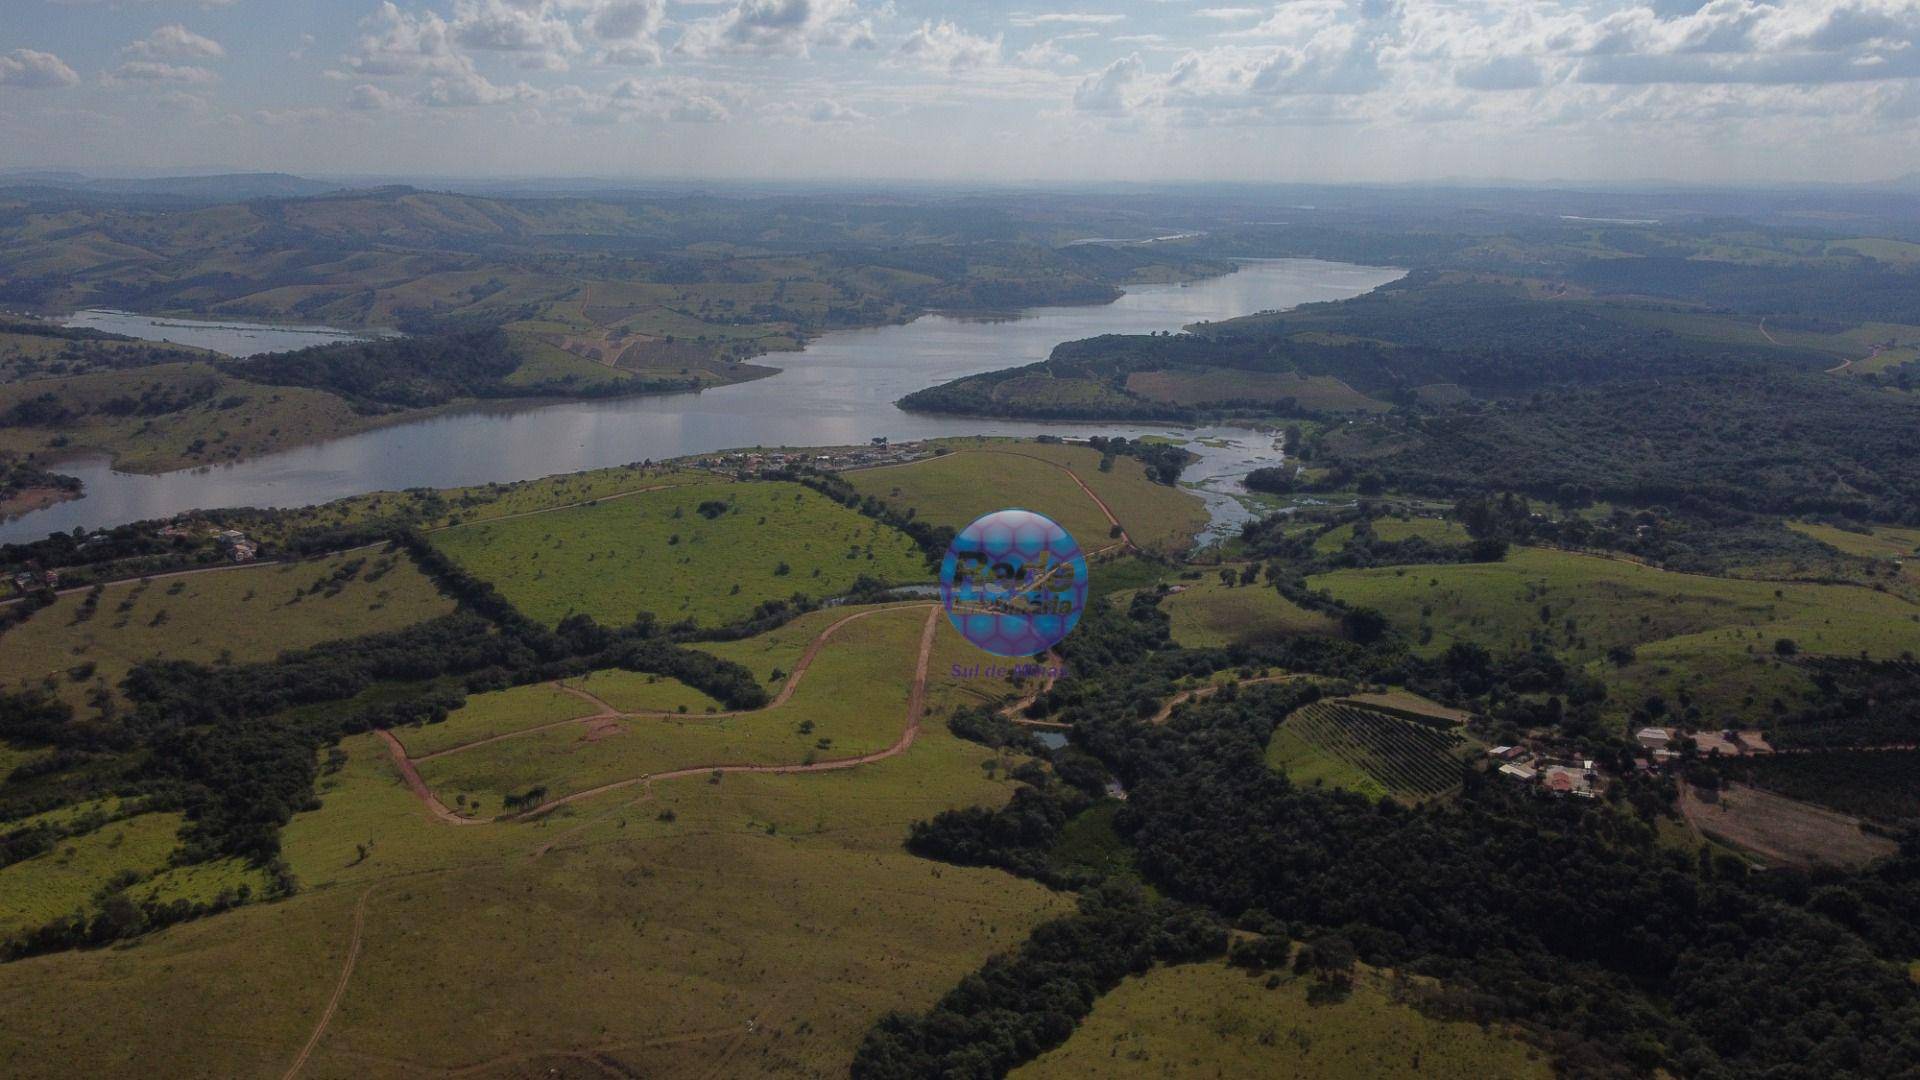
<point>824,90</point>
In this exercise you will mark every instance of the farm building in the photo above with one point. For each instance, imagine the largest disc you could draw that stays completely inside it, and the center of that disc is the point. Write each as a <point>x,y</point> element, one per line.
<point>1653,738</point>
<point>236,545</point>
<point>1732,743</point>
<point>1566,780</point>
<point>1519,772</point>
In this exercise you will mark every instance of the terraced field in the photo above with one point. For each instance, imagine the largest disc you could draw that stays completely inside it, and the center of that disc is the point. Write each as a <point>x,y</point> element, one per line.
<point>1344,745</point>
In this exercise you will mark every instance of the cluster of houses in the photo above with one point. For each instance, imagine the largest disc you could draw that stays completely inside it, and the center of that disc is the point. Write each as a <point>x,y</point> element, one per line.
<point>1662,746</point>
<point>236,545</point>
<point>27,581</point>
<point>1576,776</point>
<point>751,462</point>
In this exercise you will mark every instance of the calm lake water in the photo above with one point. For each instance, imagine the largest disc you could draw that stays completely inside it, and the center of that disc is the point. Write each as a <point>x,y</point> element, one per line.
<point>839,391</point>
<point>236,339</point>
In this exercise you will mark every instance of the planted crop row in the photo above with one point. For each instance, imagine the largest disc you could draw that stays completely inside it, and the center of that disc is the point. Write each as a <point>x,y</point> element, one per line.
<point>1405,757</point>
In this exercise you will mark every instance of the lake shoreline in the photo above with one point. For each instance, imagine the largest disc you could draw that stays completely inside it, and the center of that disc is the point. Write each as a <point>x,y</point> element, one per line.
<point>837,391</point>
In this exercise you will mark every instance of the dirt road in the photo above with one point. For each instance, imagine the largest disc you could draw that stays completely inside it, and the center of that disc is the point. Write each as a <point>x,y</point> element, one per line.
<point>1185,696</point>
<point>1125,540</point>
<point>340,987</point>
<point>916,706</point>
<point>608,712</point>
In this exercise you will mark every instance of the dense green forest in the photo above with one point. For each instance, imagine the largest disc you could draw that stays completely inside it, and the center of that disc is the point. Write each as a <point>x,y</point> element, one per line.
<point>1489,337</point>
<point>1755,440</point>
<point>1621,955</point>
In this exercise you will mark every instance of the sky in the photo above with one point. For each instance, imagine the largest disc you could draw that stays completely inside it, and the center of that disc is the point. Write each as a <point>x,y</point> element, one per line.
<point>1089,91</point>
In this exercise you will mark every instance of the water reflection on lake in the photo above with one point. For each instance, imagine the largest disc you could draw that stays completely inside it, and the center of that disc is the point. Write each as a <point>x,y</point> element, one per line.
<point>839,391</point>
<point>236,339</point>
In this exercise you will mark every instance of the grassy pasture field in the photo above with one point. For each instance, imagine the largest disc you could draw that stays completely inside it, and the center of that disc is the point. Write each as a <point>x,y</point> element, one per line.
<point>37,356</point>
<point>1883,543</point>
<point>437,509</point>
<point>1211,1020</point>
<point>1781,830</point>
<point>12,757</point>
<point>1160,517</point>
<point>70,815</point>
<point>1321,393</point>
<point>956,488</point>
<point>657,551</point>
<point>1711,638</point>
<point>787,901</point>
<point>64,880</point>
<point>633,691</point>
<point>982,476</point>
<point>1342,744</point>
<point>494,713</point>
<point>229,418</point>
<point>852,701</point>
<point>1206,614</point>
<point>776,650</point>
<point>1393,530</point>
<point>244,615</point>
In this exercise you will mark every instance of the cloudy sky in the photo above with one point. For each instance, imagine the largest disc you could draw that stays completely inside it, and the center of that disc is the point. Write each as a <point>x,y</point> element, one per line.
<point>1093,90</point>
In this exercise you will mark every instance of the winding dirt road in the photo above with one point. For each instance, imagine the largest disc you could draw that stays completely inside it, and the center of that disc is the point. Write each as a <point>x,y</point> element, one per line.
<point>607,712</point>
<point>916,706</point>
<point>1185,696</point>
<point>340,988</point>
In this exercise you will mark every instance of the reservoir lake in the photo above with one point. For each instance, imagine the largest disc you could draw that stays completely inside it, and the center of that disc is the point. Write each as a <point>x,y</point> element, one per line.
<point>839,390</point>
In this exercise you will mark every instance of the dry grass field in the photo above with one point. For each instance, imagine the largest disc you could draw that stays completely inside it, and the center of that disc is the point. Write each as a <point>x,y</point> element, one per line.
<point>1780,830</point>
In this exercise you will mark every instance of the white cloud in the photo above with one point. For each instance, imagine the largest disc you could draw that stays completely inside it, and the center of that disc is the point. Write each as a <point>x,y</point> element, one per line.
<point>175,42</point>
<point>396,43</point>
<point>204,5</point>
<point>1106,91</point>
<point>154,71</point>
<point>472,89</point>
<point>947,47</point>
<point>629,31</point>
<point>537,32</point>
<point>1229,14</point>
<point>1500,73</point>
<point>1069,18</point>
<point>1046,54</point>
<point>779,28</point>
<point>35,70</point>
<point>367,97</point>
<point>822,111</point>
<point>183,102</point>
<point>680,100</point>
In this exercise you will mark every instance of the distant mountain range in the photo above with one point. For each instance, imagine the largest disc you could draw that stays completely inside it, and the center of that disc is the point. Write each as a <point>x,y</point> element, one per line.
<point>223,188</point>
